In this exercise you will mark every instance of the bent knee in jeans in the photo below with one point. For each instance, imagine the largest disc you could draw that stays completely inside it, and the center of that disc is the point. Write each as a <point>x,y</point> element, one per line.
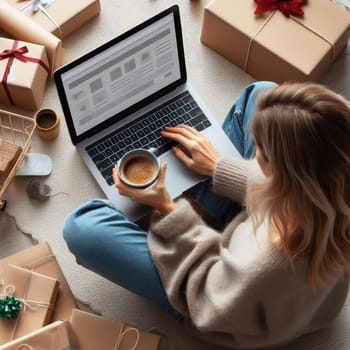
<point>82,229</point>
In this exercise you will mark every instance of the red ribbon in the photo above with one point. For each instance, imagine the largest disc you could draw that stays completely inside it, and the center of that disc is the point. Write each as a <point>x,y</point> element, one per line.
<point>287,7</point>
<point>11,55</point>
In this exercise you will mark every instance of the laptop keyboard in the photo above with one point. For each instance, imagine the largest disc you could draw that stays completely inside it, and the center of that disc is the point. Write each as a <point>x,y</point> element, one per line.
<point>145,132</point>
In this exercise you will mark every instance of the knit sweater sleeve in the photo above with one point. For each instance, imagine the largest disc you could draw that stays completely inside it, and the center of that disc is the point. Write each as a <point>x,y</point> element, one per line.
<point>203,280</point>
<point>233,176</point>
<point>237,295</point>
<point>179,239</point>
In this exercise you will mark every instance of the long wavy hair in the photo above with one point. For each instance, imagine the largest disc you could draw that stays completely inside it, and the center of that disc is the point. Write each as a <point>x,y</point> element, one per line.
<point>303,131</point>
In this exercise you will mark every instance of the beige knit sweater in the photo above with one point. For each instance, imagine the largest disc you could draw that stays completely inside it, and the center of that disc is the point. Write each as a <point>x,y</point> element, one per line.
<point>234,288</point>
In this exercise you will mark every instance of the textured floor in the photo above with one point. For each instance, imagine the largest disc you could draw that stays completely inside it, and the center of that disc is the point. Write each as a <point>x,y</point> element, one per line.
<point>219,83</point>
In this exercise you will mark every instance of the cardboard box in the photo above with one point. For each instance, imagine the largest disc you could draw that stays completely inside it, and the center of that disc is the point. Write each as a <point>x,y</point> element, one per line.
<point>60,17</point>
<point>22,78</point>
<point>9,154</point>
<point>40,258</point>
<point>55,336</point>
<point>37,295</point>
<point>275,47</point>
<point>95,332</point>
<point>19,26</point>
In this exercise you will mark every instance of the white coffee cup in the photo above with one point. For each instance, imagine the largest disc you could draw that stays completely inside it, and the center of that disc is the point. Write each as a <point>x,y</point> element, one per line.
<point>139,168</point>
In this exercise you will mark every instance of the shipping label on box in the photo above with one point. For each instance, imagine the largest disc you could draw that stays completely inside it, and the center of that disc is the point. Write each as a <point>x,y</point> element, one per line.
<point>36,297</point>
<point>273,46</point>
<point>95,332</point>
<point>59,17</point>
<point>23,73</point>
<point>41,259</point>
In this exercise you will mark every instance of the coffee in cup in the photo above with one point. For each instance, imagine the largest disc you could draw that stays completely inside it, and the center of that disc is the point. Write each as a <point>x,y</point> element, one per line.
<point>139,168</point>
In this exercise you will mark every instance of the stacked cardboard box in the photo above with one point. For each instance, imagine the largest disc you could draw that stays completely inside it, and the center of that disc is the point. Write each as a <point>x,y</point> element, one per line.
<point>26,65</point>
<point>59,17</point>
<point>49,318</point>
<point>37,294</point>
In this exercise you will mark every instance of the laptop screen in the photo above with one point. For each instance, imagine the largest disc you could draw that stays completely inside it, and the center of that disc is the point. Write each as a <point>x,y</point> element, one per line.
<point>122,75</point>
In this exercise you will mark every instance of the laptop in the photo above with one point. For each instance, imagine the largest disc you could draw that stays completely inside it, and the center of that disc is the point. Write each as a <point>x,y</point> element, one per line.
<point>120,95</point>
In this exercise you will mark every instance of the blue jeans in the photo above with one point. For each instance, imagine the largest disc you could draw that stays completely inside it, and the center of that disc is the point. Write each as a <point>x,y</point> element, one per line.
<point>104,241</point>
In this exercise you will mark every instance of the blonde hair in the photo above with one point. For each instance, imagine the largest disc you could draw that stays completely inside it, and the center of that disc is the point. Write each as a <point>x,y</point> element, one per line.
<point>303,131</point>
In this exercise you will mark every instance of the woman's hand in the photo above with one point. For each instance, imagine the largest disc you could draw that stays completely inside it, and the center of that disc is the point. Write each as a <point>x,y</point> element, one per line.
<point>203,157</point>
<point>155,196</point>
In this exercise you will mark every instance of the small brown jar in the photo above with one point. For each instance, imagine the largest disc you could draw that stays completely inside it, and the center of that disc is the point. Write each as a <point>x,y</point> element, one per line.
<point>47,124</point>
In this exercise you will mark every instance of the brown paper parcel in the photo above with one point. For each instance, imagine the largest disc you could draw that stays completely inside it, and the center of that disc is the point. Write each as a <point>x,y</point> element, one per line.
<point>37,294</point>
<point>59,17</point>
<point>41,259</point>
<point>95,332</point>
<point>21,27</point>
<point>55,336</point>
<point>272,46</point>
<point>9,154</point>
<point>26,81</point>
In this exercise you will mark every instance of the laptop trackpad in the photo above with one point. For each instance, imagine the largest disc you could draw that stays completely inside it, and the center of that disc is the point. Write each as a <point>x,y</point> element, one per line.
<point>178,177</point>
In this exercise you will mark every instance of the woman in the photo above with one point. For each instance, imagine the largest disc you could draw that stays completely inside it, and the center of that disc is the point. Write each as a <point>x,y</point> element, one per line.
<point>279,268</point>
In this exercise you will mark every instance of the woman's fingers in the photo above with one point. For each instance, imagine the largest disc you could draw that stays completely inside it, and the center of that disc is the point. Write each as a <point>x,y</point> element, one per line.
<point>183,156</point>
<point>186,128</point>
<point>135,193</point>
<point>123,189</point>
<point>176,136</point>
<point>203,157</point>
<point>115,175</point>
<point>184,135</point>
<point>161,178</point>
<point>155,196</point>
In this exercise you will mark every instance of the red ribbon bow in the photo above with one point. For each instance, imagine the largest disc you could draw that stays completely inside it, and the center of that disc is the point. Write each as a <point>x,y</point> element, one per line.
<point>18,53</point>
<point>287,7</point>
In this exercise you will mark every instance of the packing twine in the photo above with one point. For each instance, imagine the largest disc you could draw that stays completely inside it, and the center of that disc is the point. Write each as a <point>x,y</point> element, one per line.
<point>122,334</point>
<point>296,20</point>
<point>116,346</point>
<point>9,290</point>
<point>57,339</point>
<point>38,5</point>
<point>40,191</point>
<point>27,346</point>
<point>41,261</point>
<point>54,345</point>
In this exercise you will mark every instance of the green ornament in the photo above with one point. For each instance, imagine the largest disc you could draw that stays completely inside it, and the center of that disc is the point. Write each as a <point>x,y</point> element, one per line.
<point>9,308</point>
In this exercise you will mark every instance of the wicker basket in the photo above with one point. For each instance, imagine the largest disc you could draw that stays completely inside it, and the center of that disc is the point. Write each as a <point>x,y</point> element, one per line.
<point>16,130</point>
